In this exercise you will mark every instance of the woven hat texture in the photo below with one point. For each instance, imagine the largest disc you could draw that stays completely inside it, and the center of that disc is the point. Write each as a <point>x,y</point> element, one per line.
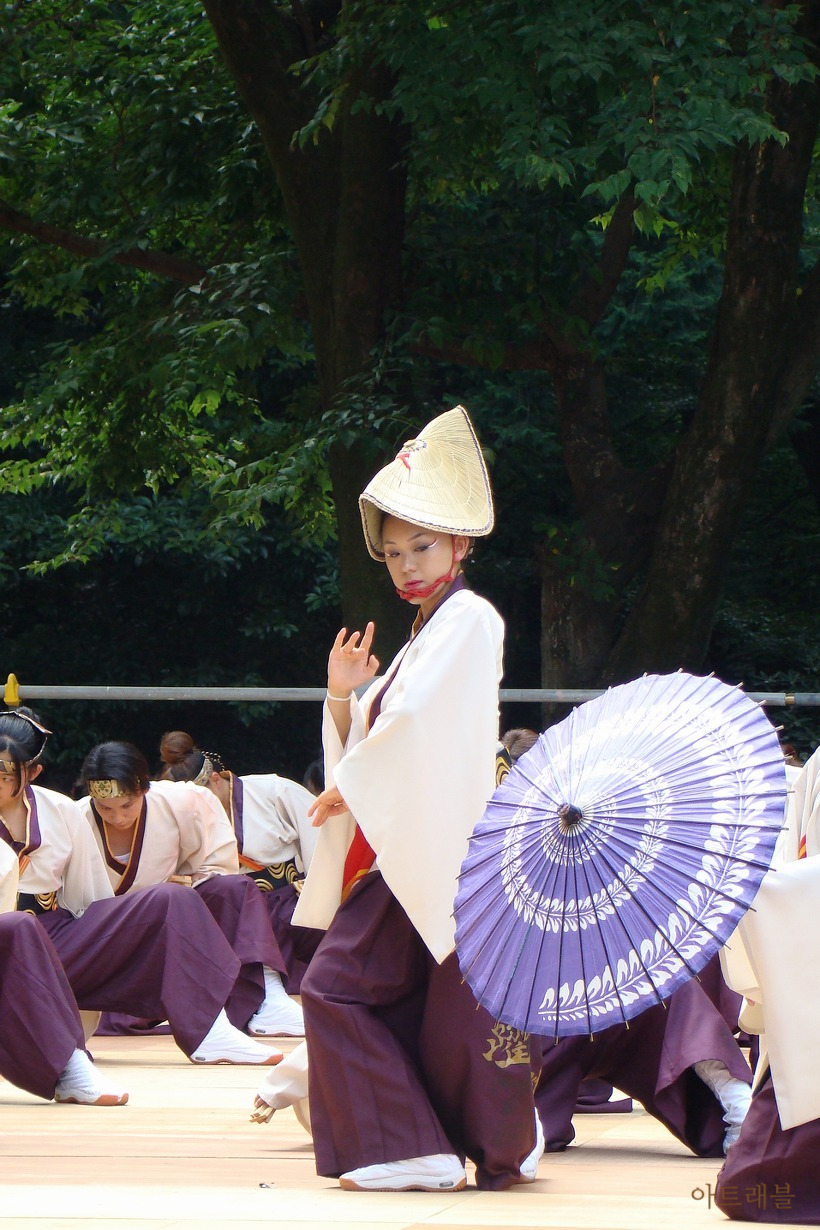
<point>438,480</point>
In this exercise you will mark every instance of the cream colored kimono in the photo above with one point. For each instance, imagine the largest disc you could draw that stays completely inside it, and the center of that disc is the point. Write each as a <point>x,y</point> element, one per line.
<point>8,879</point>
<point>185,832</point>
<point>420,780</point>
<point>275,822</point>
<point>772,958</point>
<point>67,862</point>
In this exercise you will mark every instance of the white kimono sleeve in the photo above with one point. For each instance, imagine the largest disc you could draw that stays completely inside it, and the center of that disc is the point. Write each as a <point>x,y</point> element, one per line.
<point>322,892</point>
<point>8,879</point>
<point>806,806</point>
<point>275,822</point>
<point>207,844</point>
<point>85,878</point>
<point>420,780</point>
<point>292,802</point>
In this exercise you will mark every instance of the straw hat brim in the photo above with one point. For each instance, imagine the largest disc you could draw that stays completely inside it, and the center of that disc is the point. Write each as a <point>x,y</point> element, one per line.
<point>438,481</point>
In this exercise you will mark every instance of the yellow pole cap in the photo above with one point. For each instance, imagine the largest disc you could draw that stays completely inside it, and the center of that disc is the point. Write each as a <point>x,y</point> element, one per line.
<point>11,695</point>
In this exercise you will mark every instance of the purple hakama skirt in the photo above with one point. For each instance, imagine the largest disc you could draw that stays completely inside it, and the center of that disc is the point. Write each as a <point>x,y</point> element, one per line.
<point>297,944</point>
<point>154,953</point>
<point>770,1175</point>
<point>41,1026</point>
<point>403,1061</point>
<point>650,1060</point>
<point>238,907</point>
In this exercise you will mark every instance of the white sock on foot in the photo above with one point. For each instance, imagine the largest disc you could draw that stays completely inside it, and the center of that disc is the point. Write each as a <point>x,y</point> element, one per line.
<point>434,1173</point>
<point>279,1015</point>
<point>734,1095</point>
<point>80,1082</point>
<point>224,1043</point>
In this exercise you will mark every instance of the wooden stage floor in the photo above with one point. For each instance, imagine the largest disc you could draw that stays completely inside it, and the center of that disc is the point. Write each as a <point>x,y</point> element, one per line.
<point>183,1154</point>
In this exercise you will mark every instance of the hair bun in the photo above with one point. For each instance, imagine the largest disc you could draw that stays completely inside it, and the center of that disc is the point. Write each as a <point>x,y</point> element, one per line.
<point>175,746</point>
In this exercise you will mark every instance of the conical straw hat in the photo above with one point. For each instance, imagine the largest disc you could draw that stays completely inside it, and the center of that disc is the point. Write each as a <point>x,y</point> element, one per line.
<point>438,480</point>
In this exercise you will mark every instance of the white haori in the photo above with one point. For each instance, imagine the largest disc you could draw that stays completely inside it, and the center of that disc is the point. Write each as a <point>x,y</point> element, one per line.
<point>772,959</point>
<point>8,879</point>
<point>275,822</point>
<point>420,780</point>
<point>187,833</point>
<point>68,861</point>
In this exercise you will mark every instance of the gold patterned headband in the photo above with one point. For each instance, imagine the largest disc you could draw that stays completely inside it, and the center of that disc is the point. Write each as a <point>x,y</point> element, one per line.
<point>24,717</point>
<point>12,766</point>
<point>204,775</point>
<point>107,788</point>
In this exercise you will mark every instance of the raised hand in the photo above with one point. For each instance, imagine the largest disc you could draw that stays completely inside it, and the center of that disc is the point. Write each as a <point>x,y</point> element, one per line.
<point>351,663</point>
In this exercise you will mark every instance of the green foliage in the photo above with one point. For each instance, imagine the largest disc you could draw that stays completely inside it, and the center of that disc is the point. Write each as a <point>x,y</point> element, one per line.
<point>606,100</point>
<point>133,141</point>
<point>175,412</point>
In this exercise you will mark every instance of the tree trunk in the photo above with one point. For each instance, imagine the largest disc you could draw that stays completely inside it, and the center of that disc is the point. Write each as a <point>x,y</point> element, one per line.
<point>583,581</point>
<point>344,194</point>
<point>671,624</point>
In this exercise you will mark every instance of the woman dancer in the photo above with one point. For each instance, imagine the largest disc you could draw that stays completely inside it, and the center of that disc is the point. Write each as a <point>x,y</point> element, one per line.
<point>155,953</point>
<point>156,832</point>
<point>268,815</point>
<point>408,1075</point>
<point>41,1037</point>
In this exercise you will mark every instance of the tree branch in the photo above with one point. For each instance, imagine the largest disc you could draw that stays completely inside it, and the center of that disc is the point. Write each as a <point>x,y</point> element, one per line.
<point>162,264</point>
<point>595,294</point>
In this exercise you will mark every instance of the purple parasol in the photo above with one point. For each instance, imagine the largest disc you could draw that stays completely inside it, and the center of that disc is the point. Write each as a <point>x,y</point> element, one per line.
<point>619,854</point>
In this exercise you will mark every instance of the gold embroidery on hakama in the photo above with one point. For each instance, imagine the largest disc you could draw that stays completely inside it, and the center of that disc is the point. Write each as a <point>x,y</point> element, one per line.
<point>507,1046</point>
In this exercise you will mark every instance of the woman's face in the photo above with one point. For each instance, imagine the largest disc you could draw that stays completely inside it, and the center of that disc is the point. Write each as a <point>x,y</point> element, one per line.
<point>123,812</point>
<point>221,788</point>
<point>416,558</point>
<point>9,790</point>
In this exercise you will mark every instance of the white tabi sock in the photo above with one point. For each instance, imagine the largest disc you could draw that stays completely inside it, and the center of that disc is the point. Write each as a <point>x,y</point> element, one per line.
<point>224,1043</point>
<point>81,1083</point>
<point>278,1015</point>
<point>734,1095</point>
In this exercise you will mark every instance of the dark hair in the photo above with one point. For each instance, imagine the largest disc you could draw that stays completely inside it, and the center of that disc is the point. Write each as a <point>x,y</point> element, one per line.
<point>518,741</point>
<point>119,762</point>
<point>314,779</point>
<point>183,760</point>
<point>22,740</point>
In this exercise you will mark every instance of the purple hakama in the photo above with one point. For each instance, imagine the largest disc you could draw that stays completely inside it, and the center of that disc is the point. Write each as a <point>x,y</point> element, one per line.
<point>770,1175</point>
<point>297,944</point>
<point>154,953</point>
<point>238,907</point>
<point>727,1001</point>
<point>403,1061</point>
<point>594,1099</point>
<point>41,1026</point>
<point>650,1060</point>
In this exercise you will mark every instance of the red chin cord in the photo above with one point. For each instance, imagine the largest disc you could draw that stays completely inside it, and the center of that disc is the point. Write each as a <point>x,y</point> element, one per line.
<point>412,595</point>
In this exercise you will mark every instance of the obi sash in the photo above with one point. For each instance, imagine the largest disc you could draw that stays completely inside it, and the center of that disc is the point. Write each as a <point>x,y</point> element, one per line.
<point>37,903</point>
